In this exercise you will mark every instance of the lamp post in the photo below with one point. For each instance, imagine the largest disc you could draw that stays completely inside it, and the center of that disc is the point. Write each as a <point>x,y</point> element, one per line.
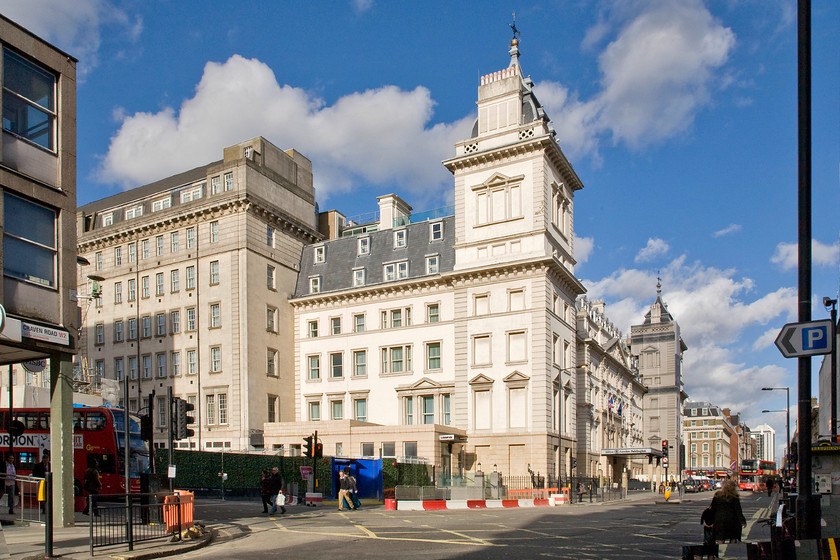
<point>787,434</point>
<point>833,420</point>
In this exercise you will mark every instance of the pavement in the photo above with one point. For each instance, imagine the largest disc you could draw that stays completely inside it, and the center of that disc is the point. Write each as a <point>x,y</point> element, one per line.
<point>23,540</point>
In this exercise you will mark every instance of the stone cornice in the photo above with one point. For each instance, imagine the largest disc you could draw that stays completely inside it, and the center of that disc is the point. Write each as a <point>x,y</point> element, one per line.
<point>162,222</point>
<point>545,144</point>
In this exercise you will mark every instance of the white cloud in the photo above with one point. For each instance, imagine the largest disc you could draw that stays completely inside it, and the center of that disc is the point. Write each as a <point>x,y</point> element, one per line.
<point>718,314</point>
<point>653,249</point>
<point>377,136</point>
<point>583,248</point>
<point>710,304</point>
<point>787,254</point>
<point>732,228</point>
<point>74,27</point>
<point>656,74</point>
<point>362,5</point>
<point>766,340</point>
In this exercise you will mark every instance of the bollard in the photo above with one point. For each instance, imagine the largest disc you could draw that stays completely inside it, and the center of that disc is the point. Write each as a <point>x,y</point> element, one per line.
<point>46,486</point>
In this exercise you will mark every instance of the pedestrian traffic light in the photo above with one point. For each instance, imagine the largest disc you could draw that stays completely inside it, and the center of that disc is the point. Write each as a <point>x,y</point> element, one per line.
<point>146,428</point>
<point>308,449</point>
<point>182,419</point>
<point>665,447</point>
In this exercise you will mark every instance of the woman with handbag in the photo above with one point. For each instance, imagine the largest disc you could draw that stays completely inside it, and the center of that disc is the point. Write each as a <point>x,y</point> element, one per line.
<point>728,517</point>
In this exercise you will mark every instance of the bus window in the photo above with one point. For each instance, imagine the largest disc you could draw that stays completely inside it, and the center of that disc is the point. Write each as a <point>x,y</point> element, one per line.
<point>107,462</point>
<point>95,421</point>
<point>77,421</point>
<point>30,420</point>
<point>44,421</point>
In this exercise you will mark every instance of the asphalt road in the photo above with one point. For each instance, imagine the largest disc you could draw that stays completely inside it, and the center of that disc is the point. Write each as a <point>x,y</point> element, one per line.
<point>640,529</point>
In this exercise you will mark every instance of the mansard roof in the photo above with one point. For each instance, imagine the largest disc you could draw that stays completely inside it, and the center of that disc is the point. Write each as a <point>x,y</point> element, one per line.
<point>341,257</point>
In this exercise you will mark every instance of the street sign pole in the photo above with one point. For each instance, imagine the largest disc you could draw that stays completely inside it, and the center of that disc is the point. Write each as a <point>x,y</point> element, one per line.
<point>807,505</point>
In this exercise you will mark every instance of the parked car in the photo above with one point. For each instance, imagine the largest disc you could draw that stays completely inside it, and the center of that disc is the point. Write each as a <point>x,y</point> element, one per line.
<point>691,486</point>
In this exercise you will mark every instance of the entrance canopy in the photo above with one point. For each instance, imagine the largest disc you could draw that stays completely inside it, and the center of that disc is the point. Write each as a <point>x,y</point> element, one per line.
<point>632,452</point>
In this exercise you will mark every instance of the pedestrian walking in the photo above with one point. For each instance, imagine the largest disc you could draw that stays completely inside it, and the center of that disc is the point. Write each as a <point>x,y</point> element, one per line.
<point>344,486</point>
<point>355,503</point>
<point>728,516</point>
<point>276,487</point>
<point>265,489</point>
<point>92,485</point>
<point>11,478</point>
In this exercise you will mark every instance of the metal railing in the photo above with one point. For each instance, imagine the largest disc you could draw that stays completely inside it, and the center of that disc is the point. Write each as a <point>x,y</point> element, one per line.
<point>24,498</point>
<point>137,517</point>
<point>497,486</point>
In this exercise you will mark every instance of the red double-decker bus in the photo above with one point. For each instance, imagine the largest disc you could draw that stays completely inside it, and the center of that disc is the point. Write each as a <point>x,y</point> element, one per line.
<point>98,433</point>
<point>753,474</point>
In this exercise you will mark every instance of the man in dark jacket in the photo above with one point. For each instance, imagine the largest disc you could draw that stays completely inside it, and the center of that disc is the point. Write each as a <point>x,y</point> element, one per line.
<point>277,484</point>
<point>40,470</point>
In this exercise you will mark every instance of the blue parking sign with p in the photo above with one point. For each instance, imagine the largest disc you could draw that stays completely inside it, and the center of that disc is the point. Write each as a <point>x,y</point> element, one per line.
<point>815,338</point>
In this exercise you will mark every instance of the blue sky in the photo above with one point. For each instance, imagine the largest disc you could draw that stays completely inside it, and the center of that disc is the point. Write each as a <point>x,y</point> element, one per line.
<point>679,117</point>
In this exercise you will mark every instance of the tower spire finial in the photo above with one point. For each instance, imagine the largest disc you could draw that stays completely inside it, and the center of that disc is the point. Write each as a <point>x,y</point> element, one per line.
<point>513,27</point>
<point>658,284</point>
<point>514,46</point>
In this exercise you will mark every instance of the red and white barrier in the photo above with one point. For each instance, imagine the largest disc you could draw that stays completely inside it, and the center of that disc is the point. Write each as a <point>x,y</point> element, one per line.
<point>430,505</point>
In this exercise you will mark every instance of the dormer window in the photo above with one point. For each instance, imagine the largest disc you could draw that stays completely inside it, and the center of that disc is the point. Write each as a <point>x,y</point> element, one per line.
<point>134,212</point>
<point>395,271</point>
<point>400,239</point>
<point>364,245</point>
<point>432,264</point>
<point>161,204</point>
<point>314,284</point>
<point>192,194</point>
<point>436,231</point>
<point>359,277</point>
<point>320,253</point>
<point>107,219</point>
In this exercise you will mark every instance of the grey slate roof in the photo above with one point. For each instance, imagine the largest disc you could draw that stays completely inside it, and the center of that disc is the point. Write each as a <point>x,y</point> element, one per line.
<point>341,257</point>
<point>144,191</point>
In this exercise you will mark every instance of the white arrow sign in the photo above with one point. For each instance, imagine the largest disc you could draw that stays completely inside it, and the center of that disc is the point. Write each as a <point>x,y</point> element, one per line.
<point>805,339</point>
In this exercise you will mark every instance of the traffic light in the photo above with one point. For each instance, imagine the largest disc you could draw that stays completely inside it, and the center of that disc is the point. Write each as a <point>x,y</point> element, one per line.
<point>308,448</point>
<point>319,450</point>
<point>182,419</point>
<point>665,447</point>
<point>574,462</point>
<point>146,428</point>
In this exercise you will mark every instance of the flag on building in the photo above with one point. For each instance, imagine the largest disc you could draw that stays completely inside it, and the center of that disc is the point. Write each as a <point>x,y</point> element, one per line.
<point>611,404</point>
<point>620,405</point>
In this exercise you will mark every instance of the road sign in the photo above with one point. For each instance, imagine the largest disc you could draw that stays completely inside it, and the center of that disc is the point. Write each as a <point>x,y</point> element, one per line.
<point>796,340</point>
<point>665,462</point>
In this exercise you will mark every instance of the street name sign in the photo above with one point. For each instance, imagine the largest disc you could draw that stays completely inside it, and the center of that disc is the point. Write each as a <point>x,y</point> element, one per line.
<point>811,338</point>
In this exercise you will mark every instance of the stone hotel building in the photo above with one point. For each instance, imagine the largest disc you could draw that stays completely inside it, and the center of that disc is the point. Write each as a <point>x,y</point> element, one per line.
<point>195,272</point>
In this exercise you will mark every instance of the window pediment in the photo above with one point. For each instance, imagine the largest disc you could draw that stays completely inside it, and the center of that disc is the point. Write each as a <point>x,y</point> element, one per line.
<point>516,377</point>
<point>498,180</point>
<point>481,379</point>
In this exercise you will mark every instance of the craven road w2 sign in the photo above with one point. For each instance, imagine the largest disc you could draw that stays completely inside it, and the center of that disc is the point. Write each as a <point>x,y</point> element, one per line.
<point>796,340</point>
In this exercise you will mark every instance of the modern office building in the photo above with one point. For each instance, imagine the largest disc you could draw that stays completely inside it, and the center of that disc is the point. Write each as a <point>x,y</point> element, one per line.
<point>765,438</point>
<point>39,316</point>
<point>451,338</point>
<point>659,347</point>
<point>193,274</point>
